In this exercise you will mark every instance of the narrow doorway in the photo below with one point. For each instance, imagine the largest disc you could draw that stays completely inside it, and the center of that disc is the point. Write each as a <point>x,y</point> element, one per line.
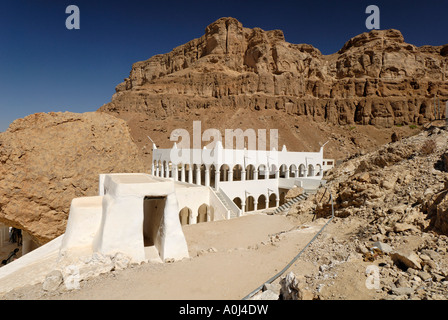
<point>153,208</point>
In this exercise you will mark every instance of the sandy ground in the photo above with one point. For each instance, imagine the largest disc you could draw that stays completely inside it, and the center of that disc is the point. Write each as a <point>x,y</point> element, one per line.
<point>228,260</point>
<point>240,264</point>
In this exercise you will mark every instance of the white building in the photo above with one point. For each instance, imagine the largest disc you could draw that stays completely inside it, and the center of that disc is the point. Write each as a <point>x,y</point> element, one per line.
<point>141,215</point>
<point>248,179</point>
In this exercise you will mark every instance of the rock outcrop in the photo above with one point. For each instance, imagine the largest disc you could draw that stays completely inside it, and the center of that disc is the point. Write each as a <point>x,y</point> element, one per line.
<point>46,160</point>
<point>376,78</point>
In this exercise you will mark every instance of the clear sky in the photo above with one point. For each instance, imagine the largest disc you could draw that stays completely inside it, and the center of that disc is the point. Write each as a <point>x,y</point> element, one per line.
<point>46,67</point>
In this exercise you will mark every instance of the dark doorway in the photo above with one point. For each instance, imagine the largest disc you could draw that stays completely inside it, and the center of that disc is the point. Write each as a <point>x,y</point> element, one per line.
<point>153,208</point>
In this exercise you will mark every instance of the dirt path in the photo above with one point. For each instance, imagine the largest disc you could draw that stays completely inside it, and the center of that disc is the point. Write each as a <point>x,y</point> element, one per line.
<point>228,260</point>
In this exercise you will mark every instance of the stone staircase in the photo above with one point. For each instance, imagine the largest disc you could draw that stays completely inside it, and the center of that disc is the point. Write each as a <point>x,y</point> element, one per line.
<point>289,204</point>
<point>233,214</point>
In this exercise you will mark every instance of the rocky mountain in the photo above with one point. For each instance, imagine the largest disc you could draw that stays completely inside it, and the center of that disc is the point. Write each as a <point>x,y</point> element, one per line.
<point>46,160</point>
<point>375,79</point>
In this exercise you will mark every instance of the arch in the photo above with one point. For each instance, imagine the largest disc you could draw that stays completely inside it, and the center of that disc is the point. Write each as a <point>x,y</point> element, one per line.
<point>185,216</point>
<point>302,170</point>
<point>195,177</point>
<point>203,211</point>
<point>282,198</point>
<point>154,163</point>
<point>179,171</point>
<point>250,172</point>
<point>292,171</point>
<point>170,170</point>
<point>282,171</point>
<point>224,172</point>
<point>188,175</point>
<point>238,202</point>
<point>272,200</point>
<point>261,202</point>
<point>250,204</point>
<point>262,172</point>
<point>211,175</point>
<point>318,170</point>
<point>160,166</point>
<point>164,169</point>
<point>237,169</point>
<point>310,170</point>
<point>273,171</point>
<point>202,169</point>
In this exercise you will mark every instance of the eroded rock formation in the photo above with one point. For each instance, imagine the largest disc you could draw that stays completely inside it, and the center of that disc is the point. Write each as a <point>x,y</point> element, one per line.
<point>376,78</point>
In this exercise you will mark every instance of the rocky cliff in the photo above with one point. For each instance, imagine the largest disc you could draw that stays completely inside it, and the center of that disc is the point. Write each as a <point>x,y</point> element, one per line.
<point>46,160</point>
<point>376,78</point>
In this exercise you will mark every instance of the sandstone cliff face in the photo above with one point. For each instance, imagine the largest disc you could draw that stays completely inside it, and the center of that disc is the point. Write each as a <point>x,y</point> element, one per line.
<point>46,160</point>
<point>376,78</point>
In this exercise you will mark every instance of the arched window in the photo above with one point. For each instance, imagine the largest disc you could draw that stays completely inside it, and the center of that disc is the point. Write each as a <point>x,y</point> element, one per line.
<point>212,171</point>
<point>250,204</point>
<point>238,202</point>
<point>195,175</point>
<point>165,169</point>
<point>170,170</point>
<point>273,171</point>
<point>202,167</point>
<point>188,173</point>
<point>282,198</point>
<point>310,170</point>
<point>292,171</point>
<point>237,172</point>
<point>302,170</point>
<point>203,213</point>
<point>250,172</point>
<point>272,200</point>
<point>155,167</point>
<point>261,202</point>
<point>224,173</point>
<point>262,172</point>
<point>318,169</point>
<point>283,169</point>
<point>185,216</point>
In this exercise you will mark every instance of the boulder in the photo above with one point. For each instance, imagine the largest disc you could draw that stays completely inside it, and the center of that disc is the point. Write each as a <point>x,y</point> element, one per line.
<point>52,281</point>
<point>47,159</point>
<point>383,247</point>
<point>405,259</point>
<point>293,192</point>
<point>292,288</point>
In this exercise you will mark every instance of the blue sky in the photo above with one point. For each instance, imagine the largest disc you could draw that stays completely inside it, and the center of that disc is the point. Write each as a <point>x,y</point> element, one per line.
<point>45,67</point>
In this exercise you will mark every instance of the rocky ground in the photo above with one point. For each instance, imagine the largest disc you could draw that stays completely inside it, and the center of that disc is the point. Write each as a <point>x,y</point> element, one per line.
<point>392,204</point>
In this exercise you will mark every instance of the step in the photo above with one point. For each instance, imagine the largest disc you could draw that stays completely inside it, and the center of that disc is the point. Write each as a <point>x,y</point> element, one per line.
<point>291,202</point>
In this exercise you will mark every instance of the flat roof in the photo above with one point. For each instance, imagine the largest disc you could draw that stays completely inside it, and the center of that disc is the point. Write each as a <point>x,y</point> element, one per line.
<point>133,178</point>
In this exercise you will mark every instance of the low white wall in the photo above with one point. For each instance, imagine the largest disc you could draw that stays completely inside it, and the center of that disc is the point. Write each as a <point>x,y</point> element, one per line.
<point>192,197</point>
<point>255,187</point>
<point>83,223</point>
<point>31,268</point>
